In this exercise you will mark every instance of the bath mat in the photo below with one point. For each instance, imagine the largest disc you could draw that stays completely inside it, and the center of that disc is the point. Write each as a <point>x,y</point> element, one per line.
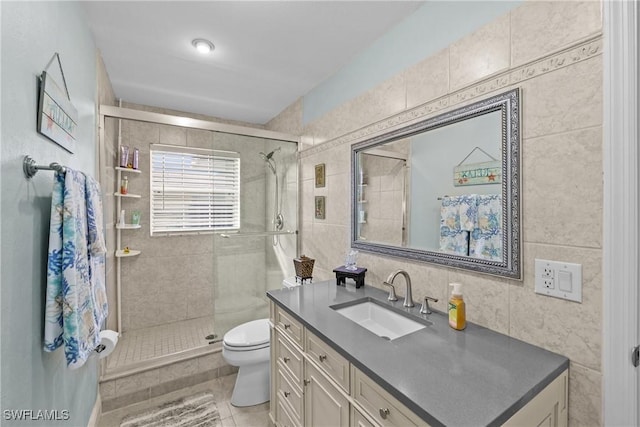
<point>199,410</point>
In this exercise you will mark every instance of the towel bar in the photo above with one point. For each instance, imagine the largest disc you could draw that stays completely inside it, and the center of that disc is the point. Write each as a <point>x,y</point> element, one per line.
<point>30,168</point>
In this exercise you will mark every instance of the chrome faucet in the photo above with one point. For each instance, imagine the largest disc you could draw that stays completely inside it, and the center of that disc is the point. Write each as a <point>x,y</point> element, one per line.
<point>408,298</point>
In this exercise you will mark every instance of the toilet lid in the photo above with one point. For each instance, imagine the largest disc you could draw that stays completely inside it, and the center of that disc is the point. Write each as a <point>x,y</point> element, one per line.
<point>248,334</point>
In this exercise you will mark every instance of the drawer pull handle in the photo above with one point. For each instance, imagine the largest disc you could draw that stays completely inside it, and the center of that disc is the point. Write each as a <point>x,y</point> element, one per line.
<point>287,393</point>
<point>285,359</point>
<point>322,357</point>
<point>287,326</point>
<point>306,381</point>
<point>384,412</point>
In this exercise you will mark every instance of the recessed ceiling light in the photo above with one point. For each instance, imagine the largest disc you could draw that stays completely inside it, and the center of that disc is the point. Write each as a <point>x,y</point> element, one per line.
<point>203,46</point>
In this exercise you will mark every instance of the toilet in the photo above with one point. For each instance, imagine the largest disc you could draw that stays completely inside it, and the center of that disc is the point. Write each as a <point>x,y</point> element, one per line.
<point>247,346</point>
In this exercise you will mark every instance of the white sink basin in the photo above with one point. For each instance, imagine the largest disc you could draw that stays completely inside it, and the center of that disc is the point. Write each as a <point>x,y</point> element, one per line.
<point>381,321</point>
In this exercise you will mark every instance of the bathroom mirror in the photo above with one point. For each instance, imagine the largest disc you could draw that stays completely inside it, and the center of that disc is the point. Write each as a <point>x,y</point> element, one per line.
<point>443,190</point>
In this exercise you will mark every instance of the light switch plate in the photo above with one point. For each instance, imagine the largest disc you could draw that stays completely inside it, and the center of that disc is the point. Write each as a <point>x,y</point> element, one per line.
<point>558,279</point>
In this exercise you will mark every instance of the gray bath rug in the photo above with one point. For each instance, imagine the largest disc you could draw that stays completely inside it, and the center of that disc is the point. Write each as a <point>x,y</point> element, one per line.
<point>199,410</point>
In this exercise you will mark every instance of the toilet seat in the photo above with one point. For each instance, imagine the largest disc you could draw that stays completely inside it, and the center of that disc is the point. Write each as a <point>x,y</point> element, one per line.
<point>249,336</point>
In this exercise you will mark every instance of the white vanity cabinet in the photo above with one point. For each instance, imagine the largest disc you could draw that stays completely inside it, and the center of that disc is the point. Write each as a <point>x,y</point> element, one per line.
<point>550,407</point>
<point>324,403</point>
<point>313,385</point>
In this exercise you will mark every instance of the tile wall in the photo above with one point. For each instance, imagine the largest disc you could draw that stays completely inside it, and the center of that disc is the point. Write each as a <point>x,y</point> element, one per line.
<point>552,51</point>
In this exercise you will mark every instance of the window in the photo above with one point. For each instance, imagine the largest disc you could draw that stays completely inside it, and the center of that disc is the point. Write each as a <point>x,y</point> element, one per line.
<point>194,190</point>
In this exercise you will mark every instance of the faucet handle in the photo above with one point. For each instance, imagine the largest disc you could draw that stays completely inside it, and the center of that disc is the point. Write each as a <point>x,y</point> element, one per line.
<point>425,305</point>
<point>392,292</point>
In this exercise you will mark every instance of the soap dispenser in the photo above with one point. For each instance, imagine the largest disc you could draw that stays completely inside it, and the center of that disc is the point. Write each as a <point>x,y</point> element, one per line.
<point>457,315</point>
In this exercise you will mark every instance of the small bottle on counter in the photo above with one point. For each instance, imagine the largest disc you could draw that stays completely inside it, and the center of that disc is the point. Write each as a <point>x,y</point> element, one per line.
<point>457,315</point>
<point>124,185</point>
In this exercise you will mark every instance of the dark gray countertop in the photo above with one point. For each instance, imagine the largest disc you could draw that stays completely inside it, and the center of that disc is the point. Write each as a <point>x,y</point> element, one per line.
<point>472,377</point>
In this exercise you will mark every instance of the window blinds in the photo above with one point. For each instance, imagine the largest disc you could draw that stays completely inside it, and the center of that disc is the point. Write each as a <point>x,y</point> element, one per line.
<point>195,191</point>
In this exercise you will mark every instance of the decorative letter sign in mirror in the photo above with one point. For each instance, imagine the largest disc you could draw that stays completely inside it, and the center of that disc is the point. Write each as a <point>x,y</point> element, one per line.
<point>444,190</point>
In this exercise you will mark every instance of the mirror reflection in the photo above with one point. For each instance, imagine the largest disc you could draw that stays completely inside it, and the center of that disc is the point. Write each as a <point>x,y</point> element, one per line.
<point>443,190</point>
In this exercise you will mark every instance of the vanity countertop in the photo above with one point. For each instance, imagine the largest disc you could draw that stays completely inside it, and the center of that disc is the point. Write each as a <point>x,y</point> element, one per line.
<point>447,377</point>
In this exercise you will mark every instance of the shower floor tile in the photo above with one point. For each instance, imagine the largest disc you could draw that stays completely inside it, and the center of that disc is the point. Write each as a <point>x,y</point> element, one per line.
<point>155,342</point>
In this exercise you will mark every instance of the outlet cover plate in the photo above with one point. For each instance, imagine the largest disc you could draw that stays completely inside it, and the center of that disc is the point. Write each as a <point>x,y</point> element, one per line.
<point>558,279</point>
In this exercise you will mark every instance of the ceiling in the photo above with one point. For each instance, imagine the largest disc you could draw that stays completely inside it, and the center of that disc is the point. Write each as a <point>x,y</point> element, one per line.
<point>267,53</point>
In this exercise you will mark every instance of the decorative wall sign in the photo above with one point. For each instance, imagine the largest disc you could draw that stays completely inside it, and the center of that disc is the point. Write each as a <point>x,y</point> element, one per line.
<point>320,207</point>
<point>57,117</point>
<point>478,173</point>
<point>320,175</point>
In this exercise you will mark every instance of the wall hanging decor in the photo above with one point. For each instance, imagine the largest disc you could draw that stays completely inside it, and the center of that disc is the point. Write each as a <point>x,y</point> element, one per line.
<point>320,207</point>
<point>320,175</point>
<point>57,117</point>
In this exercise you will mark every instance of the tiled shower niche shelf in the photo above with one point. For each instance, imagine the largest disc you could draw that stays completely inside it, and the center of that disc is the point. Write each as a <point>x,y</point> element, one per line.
<point>120,168</point>
<point>128,226</point>
<point>122,254</point>
<point>134,196</point>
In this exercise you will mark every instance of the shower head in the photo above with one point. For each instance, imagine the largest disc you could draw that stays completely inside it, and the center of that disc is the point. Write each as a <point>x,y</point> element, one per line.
<point>267,158</point>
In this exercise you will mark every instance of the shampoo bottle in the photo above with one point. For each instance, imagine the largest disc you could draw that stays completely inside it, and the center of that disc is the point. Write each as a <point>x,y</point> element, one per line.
<point>457,316</point>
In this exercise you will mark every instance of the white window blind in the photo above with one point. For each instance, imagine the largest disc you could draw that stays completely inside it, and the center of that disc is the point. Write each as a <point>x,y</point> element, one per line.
<point>194,190</point>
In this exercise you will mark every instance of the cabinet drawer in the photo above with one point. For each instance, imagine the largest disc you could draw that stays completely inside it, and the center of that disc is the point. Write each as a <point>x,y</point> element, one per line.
<point>289,357</point>
<point>289,326</point>
<point>283,414</point>
<point>359,420</point>
<point>288,392</point>
<point>380,405</point>
<point>332,363</point>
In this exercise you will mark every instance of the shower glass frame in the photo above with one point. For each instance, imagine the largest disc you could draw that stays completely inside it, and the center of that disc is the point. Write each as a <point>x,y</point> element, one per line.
<point>114,112</point>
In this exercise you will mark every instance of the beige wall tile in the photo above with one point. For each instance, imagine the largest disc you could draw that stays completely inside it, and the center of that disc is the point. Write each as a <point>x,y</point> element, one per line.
<point>289,120</point>
<point>565,99</point>
<point>338,206</point>
<point>428,80</point>
<point>140,134</point>
<point>178,370</point>
<point>210,361</point>
<point>199,138</point>
<point>137,382</point>
<point>486,299</point>
<point>378,103</point>
<point>328,245</point>
<point>480,54</point>
<point>173,135</point>
<point>566,327</point>
<point>108,389</point>
<point>562,188</point>
<point>541,27</point>
<point>585,389</point>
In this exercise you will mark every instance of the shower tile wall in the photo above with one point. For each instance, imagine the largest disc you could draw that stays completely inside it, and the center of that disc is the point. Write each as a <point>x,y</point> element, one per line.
<point>561,217</point>
<point>174,277</point>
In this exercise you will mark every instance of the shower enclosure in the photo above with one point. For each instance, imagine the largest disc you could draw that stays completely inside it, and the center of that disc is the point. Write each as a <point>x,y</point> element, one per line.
<point>175,292</point>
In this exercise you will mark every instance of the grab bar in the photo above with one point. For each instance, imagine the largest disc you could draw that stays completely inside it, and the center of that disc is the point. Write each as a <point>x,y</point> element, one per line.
<point>256,234</point>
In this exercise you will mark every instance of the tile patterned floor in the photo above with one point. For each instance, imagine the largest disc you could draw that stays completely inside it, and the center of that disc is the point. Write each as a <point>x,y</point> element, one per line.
<point>158,341</point>
<point>231,416</point>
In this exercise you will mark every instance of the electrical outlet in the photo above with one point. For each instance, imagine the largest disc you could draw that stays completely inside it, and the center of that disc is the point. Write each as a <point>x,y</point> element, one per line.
<point>558,279</point>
